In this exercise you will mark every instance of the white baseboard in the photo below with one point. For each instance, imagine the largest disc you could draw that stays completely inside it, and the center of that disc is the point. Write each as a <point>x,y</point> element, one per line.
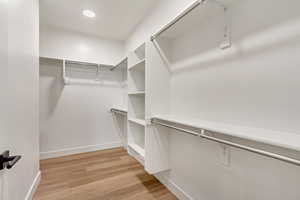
<point>76,150</point>
<point>34,186</point>
<point>175,189</point>
<point>136,155</point>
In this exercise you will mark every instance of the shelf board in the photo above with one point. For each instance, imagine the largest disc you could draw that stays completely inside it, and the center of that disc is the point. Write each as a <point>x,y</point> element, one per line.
<point>195,15</point>
<point>76,81</point>
<point>68,81</point>
<point>140,51</point>
<point>275,138</point>
<point>137,93</point>
<point>141,122</point>
<point>72,60</point>
<point>138,66</point>
<point>137,149</point>
<point>123,61</point>
<point>120,109</point>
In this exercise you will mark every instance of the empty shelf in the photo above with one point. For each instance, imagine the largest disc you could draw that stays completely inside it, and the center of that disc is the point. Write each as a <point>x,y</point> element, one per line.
<point>276,138</point>
<point>81,81</point>
<point>138,149</point>
<point>119,110</point>
<point>136,93</point>
<point>140,51</point>
<point>138,121</point>
<point>138,66</point>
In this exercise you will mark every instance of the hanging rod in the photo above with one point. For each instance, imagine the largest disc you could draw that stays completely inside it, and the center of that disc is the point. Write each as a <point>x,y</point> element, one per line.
<point>119,64</point>
<point>178,18</point>
<point>232,144</point>
<point>227,35</point>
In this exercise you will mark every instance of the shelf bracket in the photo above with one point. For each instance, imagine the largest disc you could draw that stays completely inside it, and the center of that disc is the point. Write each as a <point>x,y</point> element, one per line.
<point>64,73</point>
<point>226,43</point>
<point>225,155</point>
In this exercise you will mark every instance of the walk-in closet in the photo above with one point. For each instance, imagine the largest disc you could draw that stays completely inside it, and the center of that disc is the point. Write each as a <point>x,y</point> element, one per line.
<point>150,100</point>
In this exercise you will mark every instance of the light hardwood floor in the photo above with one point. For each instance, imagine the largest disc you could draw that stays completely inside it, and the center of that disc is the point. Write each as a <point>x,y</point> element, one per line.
<point>101,175</point>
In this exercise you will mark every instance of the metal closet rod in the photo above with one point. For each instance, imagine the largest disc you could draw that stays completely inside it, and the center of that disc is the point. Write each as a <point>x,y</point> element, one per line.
<point>182,15</point>
<point>119,64</point>
<point>178,18</point>
<point>232,144</point>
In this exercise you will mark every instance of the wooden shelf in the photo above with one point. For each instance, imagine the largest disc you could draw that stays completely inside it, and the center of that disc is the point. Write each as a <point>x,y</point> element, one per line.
<point>138,121</point>
<point>275,138</point>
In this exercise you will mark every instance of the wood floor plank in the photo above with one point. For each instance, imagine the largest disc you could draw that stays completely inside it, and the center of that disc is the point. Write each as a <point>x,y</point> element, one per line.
<point>102,175</point>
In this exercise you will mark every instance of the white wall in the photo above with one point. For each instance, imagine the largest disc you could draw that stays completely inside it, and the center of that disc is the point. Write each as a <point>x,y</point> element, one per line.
<point>58,43</point>
<point>253,84</point>
<point>19,105</point>
<point>164,11</point>
<point>3,83</point>
<point>76,118</point>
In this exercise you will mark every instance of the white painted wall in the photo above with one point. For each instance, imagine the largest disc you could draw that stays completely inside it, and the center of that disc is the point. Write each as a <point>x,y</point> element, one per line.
<point>253,84</point>
<point>164,11</point>
<point>3,88</point>
<point>76,118</point>
<point>59,43</point>
<point>19,103</point>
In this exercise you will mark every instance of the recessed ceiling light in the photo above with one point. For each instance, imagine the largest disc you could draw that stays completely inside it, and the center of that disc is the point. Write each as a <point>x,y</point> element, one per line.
<point>88,13</point>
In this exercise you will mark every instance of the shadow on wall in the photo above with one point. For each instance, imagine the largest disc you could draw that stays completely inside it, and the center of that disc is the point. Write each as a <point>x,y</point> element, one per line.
<point>252,34</point>
<point>51,71</point>
<point>120,124</point>
<point>247,47</point>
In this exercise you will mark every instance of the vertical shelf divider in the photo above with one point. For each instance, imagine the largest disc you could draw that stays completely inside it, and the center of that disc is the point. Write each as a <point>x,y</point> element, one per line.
<point>157,101</point>
<point>136,103</point>
<point>148,95</point>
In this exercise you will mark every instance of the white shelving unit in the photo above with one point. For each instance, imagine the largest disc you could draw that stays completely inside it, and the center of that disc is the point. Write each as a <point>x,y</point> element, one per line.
<point>75,72</point>
<point>149,87</point>
<point>176,50</point>
<point>276,138</point>
<point>138,121</point>
<point>157,102</point>
<point>88,73</point>
<point>148,94</point>
<point>139,66</point>
<point>137,137</point>
<point>173,39</point>
<point>136,103</point>
<point>138,149</point>
<point>119,110</point>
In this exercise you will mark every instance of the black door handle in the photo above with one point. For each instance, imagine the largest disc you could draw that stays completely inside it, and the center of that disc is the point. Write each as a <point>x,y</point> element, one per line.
<point>7,161</point>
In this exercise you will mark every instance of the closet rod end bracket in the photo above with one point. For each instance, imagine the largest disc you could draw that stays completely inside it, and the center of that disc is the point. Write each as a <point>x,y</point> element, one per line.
<point>152,38</point>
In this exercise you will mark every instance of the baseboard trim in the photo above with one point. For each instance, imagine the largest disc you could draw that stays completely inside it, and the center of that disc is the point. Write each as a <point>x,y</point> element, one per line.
<point>137,156</point>
<point>76,150</point>
<point>33,187</point>
<point>175,189</point>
